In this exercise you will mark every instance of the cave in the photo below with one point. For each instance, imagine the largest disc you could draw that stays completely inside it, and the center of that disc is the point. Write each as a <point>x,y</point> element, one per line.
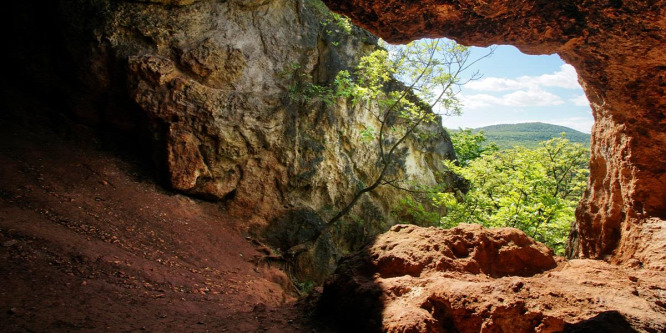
<point>150,148</point>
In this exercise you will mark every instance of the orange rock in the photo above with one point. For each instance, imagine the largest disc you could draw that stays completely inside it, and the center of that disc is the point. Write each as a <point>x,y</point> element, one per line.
<point>472,279</point>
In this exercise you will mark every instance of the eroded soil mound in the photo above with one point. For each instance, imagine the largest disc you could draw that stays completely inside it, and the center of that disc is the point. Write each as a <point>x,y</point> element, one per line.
<point>90,243</point>
<point>468,249</point>
<point>471,279</point>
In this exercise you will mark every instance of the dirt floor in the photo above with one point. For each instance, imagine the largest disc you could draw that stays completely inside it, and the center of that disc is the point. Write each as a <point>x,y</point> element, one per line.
<point>90,242</point>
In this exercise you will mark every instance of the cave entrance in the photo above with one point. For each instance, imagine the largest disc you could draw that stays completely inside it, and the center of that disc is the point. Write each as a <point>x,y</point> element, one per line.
<point>526,157</point>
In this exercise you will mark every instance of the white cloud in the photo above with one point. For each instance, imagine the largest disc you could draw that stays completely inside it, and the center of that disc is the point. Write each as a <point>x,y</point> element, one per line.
<point>564,78</point>
<point>531,97</point>
<point>582,124</point>
<point>580,100</point>
<point>494,84</point>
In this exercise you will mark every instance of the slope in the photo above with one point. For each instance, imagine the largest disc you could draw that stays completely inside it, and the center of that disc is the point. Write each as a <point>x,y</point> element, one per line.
<point>530,134</point>
<point>91,243</point>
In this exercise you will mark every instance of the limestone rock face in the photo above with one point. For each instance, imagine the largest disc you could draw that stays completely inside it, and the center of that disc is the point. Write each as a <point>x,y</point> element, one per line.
<point>208,87</point>
<point>472,279</point>
<point>619,51</point>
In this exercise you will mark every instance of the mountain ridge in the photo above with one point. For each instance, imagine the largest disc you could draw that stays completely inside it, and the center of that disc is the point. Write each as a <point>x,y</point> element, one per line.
<point>529,134</point>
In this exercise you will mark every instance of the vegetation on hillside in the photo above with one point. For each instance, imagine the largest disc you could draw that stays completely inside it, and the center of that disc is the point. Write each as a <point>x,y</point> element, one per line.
<point>528,135</point>
<point>535,190</point>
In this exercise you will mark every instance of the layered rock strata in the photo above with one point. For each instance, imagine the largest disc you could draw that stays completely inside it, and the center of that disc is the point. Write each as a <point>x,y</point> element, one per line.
<point>619,51</point>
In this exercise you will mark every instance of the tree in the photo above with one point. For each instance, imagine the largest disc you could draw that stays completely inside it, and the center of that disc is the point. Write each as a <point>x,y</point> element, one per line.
<point>430,74</point>
<point>405,87</point>
<point>470,146</point>
<point>533,190</point>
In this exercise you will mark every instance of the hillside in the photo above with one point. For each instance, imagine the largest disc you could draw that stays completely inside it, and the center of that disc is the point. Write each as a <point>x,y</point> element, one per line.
<point>530,134</point>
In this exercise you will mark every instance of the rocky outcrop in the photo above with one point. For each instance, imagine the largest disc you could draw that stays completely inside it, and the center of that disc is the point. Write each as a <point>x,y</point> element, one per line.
<point>472,279</point>
<point>207,88</point>
<point>617,48</point>
<point>467,248</point>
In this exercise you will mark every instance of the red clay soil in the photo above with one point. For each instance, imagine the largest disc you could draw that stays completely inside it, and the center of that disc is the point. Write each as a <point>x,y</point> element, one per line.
<point>90,243</point>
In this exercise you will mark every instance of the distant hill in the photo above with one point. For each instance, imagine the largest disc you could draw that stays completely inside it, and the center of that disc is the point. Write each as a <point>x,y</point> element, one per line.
<point>530,134</point>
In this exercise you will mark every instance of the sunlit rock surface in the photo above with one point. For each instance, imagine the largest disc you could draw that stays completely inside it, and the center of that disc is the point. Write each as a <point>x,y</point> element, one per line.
<point>472,279</point>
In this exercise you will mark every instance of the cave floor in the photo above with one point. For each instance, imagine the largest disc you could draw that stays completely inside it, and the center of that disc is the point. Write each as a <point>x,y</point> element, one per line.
<point>90,242</point>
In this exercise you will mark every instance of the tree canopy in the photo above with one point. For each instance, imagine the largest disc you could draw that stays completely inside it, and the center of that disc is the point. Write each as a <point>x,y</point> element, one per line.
<point>534,190</point>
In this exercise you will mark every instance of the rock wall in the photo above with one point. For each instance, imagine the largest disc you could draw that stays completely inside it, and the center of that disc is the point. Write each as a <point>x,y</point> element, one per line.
<point>619,51</point>
<point>205,87</point>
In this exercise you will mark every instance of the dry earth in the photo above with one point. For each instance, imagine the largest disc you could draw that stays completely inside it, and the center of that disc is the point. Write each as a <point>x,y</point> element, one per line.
<point>90,243</point>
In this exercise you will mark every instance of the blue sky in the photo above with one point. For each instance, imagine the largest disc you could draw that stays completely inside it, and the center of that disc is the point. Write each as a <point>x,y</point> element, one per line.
<point>518,88</point>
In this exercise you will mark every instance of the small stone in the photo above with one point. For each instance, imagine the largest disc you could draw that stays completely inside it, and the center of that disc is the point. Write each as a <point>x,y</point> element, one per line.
<point>633,278</point>
<point>104,182</point>
<point>259,307</point>
<point>200,322</point>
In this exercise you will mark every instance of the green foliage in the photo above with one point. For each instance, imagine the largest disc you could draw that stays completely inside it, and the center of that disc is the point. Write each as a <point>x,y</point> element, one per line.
<point>434,69</point>
<point>368,134</point>
<point>431,72</point>
<point>529,135</point>
<point>412,211</point>
<point>402,86</point>
<point>533,190</point>
<point>332,22</point>
<point>470,146</point>
<point>302,89</point>
<point>339,24</point>
<point>305,287</point>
